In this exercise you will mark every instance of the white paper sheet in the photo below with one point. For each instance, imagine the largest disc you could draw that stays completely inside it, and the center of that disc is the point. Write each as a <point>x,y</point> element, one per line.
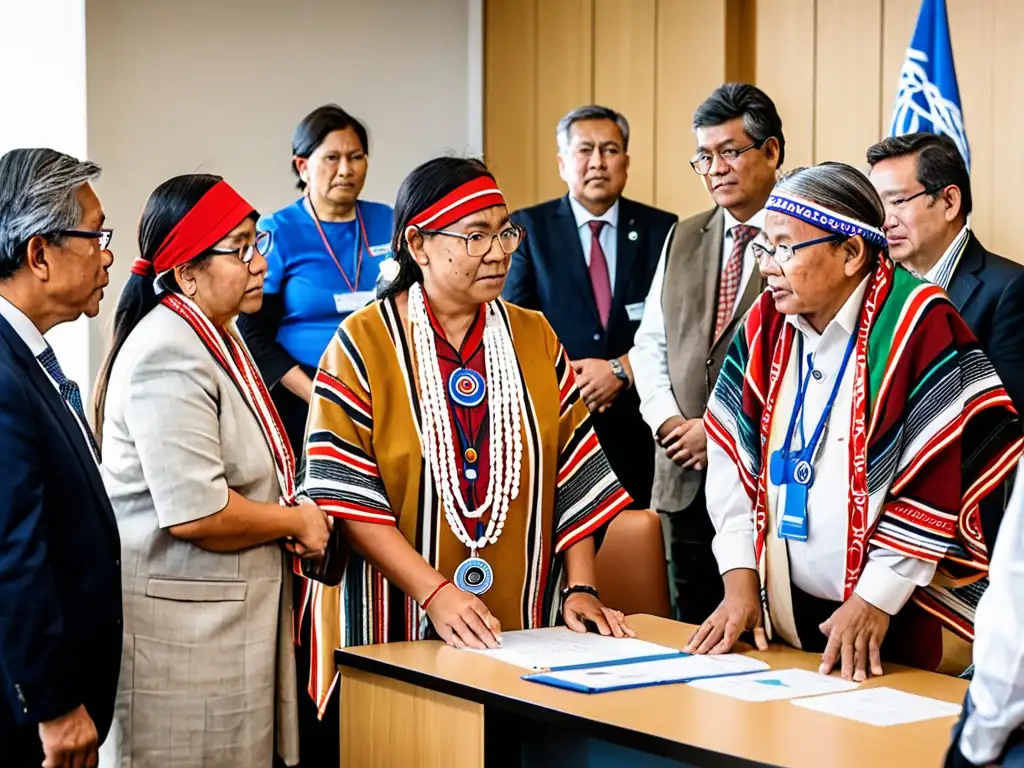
<point>560,647</point>
<point>674,670</point>
<point>880,706</point>
<point>776,685</point>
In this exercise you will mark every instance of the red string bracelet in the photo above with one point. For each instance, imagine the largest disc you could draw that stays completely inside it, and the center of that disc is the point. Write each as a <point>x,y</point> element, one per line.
<point>433,594</point>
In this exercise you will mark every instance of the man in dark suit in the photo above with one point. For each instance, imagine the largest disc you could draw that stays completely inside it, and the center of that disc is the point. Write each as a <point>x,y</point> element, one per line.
<point>706,282</point>
<point>926,188</point>
<point>60,575</point>
<point>587,264</point>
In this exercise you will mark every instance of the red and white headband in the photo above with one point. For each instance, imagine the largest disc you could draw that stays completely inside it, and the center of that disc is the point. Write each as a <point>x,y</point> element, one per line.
<point>473,196</point>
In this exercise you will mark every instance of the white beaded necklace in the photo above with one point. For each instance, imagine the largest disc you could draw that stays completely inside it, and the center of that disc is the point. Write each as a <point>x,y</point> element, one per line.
<point>505,407</point>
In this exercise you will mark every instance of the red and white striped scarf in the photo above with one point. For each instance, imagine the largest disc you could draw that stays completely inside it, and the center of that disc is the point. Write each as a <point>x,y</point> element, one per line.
<point>233,356</point>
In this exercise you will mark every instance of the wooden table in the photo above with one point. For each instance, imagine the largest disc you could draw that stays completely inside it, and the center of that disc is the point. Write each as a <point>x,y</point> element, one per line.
<point>425,704</point>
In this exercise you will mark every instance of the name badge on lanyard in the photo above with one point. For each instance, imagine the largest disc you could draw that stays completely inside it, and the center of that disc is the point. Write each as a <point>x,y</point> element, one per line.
<point>793,470</point>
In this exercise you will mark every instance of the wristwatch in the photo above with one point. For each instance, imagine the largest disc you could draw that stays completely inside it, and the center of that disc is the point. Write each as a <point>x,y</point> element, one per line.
<point>620,371</point>
<point>585,588</point>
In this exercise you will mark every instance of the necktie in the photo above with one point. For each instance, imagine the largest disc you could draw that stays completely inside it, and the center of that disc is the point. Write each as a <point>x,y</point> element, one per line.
<point>69,391</point>
<point>599,280</point>
<point>729,287</point>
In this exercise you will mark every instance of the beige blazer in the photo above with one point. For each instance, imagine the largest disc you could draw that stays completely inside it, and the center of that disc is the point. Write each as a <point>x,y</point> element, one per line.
<point>689,302</point>
<point>208,669</point>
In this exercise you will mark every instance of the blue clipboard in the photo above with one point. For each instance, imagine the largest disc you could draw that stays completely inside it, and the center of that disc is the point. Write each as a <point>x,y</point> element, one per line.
<point>547,678</point>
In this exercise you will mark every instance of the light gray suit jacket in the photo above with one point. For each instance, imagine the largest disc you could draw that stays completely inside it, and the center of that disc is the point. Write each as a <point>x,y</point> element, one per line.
<point>208,662</point>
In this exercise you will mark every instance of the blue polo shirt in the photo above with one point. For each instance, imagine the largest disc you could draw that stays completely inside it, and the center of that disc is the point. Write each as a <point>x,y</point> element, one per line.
<point>315,294</point>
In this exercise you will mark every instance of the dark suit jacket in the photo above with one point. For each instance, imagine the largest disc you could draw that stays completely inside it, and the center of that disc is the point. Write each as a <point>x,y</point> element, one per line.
<point>60,570</point>
<point>988,291</point>
<point>549,274</point>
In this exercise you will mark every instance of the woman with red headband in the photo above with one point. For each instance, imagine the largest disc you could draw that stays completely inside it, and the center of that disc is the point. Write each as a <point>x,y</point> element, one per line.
<point>448,440</point>
<point>202,481</point>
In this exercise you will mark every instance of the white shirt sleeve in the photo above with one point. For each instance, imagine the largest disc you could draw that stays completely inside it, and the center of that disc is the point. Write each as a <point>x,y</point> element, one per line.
<point>731,513</point>
<point>890,578</point>
<point>649,355</point>
<point>997,689</point>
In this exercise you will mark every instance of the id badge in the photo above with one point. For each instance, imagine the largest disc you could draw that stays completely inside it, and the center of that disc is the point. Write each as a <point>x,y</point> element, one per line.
<point>350,301</point>
<point>793,525</point>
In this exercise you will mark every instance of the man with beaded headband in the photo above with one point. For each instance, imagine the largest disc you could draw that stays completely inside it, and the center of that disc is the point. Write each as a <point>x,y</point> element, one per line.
<point>859,443</point>
<point>448,439</point>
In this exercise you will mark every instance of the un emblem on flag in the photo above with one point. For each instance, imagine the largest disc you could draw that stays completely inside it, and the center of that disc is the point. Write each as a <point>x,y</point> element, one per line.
<point>921,105</point>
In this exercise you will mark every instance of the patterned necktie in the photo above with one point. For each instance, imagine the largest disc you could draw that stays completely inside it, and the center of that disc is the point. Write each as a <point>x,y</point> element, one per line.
<point>599,280</point>
<point>69,391</point>
<point>729,287</point>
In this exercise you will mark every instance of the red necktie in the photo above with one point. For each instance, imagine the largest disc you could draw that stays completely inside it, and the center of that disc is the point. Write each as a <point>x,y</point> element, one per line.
<point>729,287</point>
<point>599,279</point>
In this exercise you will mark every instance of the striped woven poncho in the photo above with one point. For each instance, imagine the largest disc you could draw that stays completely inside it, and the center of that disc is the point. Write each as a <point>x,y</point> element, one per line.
<point>933,436</point>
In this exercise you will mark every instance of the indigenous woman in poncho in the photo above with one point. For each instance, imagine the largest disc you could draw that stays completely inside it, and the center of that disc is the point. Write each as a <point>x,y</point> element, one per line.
<point>449,441</point>
<point>859,442</point>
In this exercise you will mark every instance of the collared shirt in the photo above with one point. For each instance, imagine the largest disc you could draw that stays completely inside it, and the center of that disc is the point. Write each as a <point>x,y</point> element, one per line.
<point>818,565</point>
<point>942,273</point>
<point>649,355</point>
<point>997,689</point>
<point>36,344</point>
<point>608,238</point>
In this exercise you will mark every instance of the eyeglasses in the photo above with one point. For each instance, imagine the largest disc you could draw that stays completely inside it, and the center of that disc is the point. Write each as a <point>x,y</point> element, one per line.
<point>781,254</point>
<point>479,244</point>
<point>702,163</point>
<point>104,236</point>
<point>899,202</point>
<point>246,252</point>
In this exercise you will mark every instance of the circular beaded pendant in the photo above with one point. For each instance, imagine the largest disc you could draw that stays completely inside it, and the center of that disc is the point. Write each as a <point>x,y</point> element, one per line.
<point>466,388</point>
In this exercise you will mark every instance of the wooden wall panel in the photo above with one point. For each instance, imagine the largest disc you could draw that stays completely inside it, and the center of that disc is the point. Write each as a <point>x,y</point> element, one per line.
<point>565,79</point>
<point>785,70</point>
<point>848,79</point>
<point>690,65</point>
<point>510,97</point>
<point>741,41</point>
<point>624,57</point>
<point>898,19</point>
<point>997,157</point>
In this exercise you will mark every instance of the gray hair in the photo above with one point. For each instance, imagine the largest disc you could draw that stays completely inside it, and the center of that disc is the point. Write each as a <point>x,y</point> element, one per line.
<point>838,187</point>
<point>37,197</point>
<point>591,112</point>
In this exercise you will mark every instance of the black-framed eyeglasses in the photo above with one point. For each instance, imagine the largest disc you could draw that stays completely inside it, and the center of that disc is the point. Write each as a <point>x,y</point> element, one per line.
<point>479,244</point>
<point>245,253</point>
<point>702,162</point>
<point>104,236</point>
<point>899,202</point>
<point>781,254</point>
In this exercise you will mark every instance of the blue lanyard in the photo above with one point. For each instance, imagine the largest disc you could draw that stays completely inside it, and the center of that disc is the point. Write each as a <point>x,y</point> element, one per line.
<point>807,450</point>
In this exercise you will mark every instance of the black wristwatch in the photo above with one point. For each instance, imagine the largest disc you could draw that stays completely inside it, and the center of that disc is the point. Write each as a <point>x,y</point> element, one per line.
<point>620,371</point>
<point>578,588</point>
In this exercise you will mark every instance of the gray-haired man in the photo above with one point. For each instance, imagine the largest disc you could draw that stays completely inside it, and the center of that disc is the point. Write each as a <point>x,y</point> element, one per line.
<point>60,579</point>
<point>587,264</point>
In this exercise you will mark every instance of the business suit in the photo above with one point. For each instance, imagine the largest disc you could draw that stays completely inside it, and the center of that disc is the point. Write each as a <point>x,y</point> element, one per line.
<point>208,673</point>
<point>549,273</point>
<point>60,579</point>
<point>680,338</point>
<point>988,291</point>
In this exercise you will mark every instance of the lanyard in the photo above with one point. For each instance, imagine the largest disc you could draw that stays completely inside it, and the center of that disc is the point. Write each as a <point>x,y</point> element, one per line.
<point>360,240</point>
<point>808,449</point>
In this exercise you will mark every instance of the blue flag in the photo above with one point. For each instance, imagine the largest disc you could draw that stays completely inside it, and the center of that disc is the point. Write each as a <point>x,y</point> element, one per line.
<point>928,98</point>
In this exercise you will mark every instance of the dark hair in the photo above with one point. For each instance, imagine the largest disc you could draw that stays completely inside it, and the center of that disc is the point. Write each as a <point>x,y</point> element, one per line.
<point>316,126</point>
<point>427,184</point>
<point>761,119</point>
<point>840,188</point>
<point>164,209</point>
<point>591,112</point>
<point>939,163</point>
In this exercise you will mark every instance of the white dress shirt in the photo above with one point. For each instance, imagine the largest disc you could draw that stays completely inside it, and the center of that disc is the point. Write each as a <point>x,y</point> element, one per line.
<point>608,238</point>
<point>649,355</point>
<point>997,689</point>
<point>942,273</point>
<point>36,344</point>
<point>816,566</point>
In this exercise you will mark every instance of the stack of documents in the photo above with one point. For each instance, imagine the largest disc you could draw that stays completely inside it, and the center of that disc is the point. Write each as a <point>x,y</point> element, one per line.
<point>594,663</point>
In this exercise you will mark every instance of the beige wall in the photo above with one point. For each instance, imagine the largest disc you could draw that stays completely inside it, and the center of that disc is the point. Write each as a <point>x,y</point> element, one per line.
<point>217,86</point>
<point>653,60</point>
